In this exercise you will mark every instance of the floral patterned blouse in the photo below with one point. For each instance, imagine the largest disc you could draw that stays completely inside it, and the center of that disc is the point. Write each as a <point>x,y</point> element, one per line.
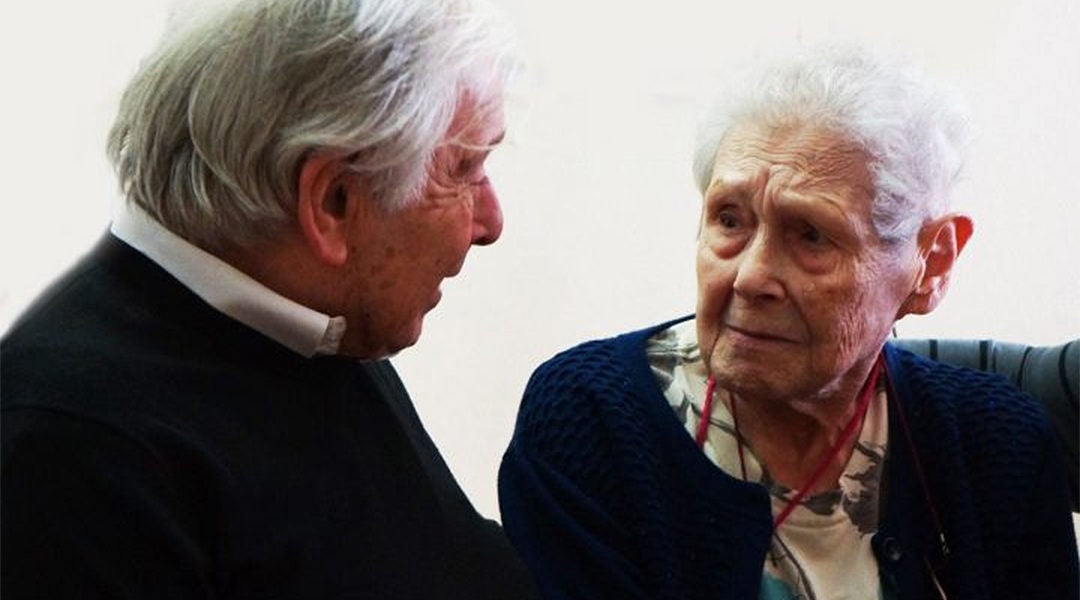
<point>822,551</point>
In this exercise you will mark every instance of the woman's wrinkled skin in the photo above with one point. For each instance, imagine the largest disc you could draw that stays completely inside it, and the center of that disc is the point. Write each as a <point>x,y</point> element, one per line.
<point>796,291</point>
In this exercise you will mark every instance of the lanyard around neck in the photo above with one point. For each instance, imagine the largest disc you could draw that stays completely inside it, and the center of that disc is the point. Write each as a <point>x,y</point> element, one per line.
<point>852,426</point>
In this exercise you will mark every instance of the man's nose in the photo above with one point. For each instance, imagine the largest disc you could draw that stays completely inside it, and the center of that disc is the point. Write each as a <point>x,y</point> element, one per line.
<point>487,217</point>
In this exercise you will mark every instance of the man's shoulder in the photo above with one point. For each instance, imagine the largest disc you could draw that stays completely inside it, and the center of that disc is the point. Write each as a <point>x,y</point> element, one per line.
<point>117,336</point>
<point>88,302</point>
<point>63,338</point>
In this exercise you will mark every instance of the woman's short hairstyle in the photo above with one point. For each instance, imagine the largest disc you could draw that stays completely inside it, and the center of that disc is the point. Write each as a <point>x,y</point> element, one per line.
<point>914,134</point>
<point>214,127</point>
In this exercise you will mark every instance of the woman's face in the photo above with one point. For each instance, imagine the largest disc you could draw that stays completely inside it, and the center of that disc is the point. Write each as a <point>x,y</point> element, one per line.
<point>796,292</point>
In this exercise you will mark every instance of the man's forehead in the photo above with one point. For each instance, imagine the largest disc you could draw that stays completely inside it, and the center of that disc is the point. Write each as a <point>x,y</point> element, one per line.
<point>477,124</point>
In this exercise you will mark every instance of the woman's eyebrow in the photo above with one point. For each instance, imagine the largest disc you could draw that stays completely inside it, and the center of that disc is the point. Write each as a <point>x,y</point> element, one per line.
<point>729,187</point>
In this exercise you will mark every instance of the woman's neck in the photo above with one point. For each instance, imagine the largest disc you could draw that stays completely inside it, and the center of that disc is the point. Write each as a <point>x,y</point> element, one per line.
<point>791,437</point>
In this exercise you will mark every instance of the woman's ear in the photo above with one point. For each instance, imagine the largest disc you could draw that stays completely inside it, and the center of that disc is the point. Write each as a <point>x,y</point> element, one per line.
<point>322,207</point>
<point>940,243</point>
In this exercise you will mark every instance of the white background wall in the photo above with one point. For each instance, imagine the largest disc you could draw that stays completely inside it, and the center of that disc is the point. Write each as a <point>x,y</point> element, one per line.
<point>599,205</point>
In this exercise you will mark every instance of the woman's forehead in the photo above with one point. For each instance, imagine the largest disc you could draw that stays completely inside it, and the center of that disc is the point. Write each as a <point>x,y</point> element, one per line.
<point>802,156</point>
<point>806,148</point>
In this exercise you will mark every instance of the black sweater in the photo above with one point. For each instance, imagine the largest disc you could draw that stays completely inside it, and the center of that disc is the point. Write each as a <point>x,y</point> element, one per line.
<point>154,448</point>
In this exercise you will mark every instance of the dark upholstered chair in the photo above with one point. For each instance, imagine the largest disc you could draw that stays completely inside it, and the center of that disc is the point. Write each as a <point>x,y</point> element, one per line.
<point>1050,374</point>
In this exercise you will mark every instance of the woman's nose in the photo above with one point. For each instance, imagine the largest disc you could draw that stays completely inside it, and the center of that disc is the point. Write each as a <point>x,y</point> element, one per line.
<point>756,275</point>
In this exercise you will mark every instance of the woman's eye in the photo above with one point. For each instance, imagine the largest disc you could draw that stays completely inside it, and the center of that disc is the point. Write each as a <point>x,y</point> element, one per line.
<point>728,219</point>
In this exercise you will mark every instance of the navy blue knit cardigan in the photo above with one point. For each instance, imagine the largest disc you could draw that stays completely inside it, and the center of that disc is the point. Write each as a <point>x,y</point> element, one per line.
<point>606,496</point>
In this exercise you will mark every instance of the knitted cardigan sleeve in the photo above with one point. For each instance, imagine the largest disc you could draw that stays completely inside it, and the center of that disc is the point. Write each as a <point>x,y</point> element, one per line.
<point>555,483</point>
<point>603,498</point>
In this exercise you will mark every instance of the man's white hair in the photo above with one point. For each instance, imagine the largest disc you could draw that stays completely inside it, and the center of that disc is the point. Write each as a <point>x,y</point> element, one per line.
<point>914,134</point>
<point>213,129</point>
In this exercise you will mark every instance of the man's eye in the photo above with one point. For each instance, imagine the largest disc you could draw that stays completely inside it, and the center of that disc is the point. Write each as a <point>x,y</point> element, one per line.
<point>813,236</point>
<point>464,169</point>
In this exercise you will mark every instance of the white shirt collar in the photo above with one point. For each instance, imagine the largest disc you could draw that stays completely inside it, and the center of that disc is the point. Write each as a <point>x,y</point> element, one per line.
<point>299,328</point>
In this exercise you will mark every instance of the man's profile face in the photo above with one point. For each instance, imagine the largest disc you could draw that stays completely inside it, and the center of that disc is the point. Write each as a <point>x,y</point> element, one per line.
<point>397,260</point>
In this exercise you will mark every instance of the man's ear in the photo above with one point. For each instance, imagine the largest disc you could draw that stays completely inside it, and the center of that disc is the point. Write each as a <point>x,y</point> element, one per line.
<point>940,243</point>
<point>322,207</point>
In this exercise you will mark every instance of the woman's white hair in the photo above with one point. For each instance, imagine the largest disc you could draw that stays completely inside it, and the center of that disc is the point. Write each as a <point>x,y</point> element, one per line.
<point>214,127</point>
<point>914,134</point>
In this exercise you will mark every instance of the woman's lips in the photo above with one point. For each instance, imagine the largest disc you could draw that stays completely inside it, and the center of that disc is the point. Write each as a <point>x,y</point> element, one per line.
<point>759,334</point>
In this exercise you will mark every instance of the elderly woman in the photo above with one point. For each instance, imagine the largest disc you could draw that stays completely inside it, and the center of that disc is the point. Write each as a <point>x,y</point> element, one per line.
<point>774,445</point>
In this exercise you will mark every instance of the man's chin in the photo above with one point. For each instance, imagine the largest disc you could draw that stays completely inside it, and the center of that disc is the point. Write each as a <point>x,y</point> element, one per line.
<point>409,337</point>
<point>389,347</point>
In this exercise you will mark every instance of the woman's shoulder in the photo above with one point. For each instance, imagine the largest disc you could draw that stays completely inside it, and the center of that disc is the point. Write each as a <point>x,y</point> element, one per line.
<point>593,383</point>
<point>588,410</point>
<point>971,398</point>
<point>596,364</point>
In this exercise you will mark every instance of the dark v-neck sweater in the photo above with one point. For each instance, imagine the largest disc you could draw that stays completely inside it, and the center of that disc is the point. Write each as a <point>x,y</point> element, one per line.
<point>155,448</point>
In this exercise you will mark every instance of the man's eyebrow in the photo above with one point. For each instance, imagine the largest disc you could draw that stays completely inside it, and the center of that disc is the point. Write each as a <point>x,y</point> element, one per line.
<point>485,147</point>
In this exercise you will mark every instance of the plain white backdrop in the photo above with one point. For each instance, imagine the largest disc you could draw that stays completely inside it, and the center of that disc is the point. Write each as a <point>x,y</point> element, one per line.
<point>595,179</point>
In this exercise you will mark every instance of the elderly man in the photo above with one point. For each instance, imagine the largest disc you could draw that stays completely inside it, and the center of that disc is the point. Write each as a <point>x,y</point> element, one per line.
<point>201,408</point>
<point>775,446</point>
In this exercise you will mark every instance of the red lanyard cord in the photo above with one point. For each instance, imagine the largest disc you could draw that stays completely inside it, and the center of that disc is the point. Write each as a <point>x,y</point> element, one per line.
<point>852,426</point>
<point>706,411</point>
